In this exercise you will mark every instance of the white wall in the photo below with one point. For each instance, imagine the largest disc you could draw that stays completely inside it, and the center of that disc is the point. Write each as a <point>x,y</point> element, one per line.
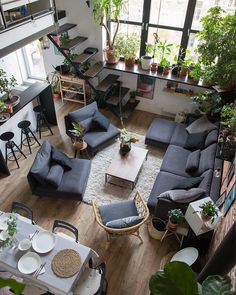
<point>9,64</point>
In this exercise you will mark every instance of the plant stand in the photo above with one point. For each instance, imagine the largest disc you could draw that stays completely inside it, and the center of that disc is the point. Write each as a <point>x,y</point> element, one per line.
<point>81,150</point>
<point>179,233</point>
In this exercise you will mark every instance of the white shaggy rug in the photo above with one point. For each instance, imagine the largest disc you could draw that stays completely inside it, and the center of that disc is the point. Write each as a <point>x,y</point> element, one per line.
<point>104,193</point>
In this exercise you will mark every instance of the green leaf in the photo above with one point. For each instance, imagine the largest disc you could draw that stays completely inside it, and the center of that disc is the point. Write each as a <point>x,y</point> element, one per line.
<point>17,287</point>
<point>177,278</point>
<point>217,285</point>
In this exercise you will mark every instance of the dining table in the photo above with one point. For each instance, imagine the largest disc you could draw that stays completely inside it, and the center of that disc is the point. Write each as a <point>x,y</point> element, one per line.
<point>9,257</point>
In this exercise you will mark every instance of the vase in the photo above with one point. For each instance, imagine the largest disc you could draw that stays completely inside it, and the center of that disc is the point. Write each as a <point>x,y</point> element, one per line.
<point>125,149</point>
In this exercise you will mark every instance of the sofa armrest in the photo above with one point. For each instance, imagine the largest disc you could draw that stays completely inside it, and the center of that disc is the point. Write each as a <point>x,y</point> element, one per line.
<point>32,182</point>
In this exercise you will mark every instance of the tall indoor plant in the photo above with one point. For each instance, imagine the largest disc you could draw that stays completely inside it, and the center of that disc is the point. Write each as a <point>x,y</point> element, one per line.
<point>104,10</point>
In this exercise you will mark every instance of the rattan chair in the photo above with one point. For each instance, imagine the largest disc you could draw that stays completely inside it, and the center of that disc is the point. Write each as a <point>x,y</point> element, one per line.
<point>132,230</point>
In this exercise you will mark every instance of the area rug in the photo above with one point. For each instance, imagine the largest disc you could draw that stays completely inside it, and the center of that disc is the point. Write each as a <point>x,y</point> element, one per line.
<point>104,193</point>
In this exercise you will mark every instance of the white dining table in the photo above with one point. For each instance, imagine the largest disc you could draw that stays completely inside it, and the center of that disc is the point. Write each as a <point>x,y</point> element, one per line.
<point>9,258</point>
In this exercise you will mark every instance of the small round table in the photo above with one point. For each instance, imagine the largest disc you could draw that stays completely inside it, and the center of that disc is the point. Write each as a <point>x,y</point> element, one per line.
<point>81,149</point>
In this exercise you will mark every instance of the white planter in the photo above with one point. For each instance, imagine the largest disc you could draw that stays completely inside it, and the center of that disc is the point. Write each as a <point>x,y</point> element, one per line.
<point>146,62</point>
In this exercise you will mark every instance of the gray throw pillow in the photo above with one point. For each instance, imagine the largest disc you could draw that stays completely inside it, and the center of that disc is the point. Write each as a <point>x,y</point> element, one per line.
<point>183,196</point>
<point>124,222</point>
<point>86,124</point>
<point>200,125</point>
<point>193,162</point>
<point>207,158</point>
<point>55,175</point>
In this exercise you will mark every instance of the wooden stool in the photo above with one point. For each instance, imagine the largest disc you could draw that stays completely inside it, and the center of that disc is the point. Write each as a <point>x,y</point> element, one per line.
<point>81,149</point>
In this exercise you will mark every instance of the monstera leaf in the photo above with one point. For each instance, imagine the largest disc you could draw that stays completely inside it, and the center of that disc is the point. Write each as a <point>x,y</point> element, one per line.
<point>177,278</point>
<point>16,287</point>
<point>217,285</point>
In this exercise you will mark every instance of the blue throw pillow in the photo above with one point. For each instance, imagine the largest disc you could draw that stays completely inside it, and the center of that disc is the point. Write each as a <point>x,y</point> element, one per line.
<point>55,175</point>
<point>195,141</point>
<point>61,159</point>
<point>193,162</point>
<point>99,122</point>
<point>188,183</point>
<point>124,222</point>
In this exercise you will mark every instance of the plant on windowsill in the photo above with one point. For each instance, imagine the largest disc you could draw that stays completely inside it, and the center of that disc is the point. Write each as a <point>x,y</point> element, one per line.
<point>176,216</point>
<point>154,65</point>
<point>102,12</point>
<point>166,65</point>
<point>2,106</point>
<point>209,211</point>
<point>9,233</point>
<point>126,138</point>
<point>207,102</point>
<point>185,63</point>
<point>6,86</point>
<point>196,72</point>
<point>54,81</point>
<point>146,60</point>
<point>228,117</point>
<point>164,49</point>
<point>77,135</point>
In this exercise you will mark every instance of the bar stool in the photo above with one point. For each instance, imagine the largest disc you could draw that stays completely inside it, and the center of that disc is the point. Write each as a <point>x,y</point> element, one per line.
<point>10,144</point>
<point>41,119</point>
<point>25,130</point>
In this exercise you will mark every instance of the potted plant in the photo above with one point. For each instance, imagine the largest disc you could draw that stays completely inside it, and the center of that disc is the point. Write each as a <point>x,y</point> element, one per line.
<point>2,106</point>
<point>207,102</point>
<point>209,211</point>
<point>77,135</point>
<point>102,12</point>
<point>54,81</point>
<point>176,216</point>
<point>185,63</point>
<point>146,59</point>
<point>228,117</point>
<point>9,233</point>
<point>166,66</point>
<point>6,86</point>
<point>165,51</point>
<point>126,138</point>
<point>196,72</point>
<point>129,45</point>
<point>154,65</point>
<point>209,76</point>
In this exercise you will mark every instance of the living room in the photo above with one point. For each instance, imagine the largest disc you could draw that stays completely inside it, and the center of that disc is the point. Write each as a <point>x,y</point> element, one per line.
<point>117,147</point>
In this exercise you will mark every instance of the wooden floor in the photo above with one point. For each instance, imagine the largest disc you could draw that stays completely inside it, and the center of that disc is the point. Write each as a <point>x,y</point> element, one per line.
<point>129,263</point>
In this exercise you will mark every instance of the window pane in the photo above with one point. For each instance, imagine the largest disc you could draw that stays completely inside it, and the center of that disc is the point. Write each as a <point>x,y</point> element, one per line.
<point>34,60</point>
<point>192,45</point>
<point>171,36</point>
<point>172,12</point>
<point>203,6</point>
<point>133,11</point>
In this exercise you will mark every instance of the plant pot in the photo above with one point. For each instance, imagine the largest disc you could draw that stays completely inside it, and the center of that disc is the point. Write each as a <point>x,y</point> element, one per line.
<point>166,71</point>
<point>14,100</point>
<point>228,87</point>
<point>125,149</point>
<point>156,228</point>
<point>62,69</point>
<point>171,226</point>
<point>130,62</point>
<point>195,80</point>
<point>56,95</point>
<point>205,217</point>
<point>183,72</point>
<point>110,58</point>
<point>175,69</point>
<point>209,82</point>
<point>160,69</point>
<point>78,144</point>
<point>146,62</point>
<point>154,67</point>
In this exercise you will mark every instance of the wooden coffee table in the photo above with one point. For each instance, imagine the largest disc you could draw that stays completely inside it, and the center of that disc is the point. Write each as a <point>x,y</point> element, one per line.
<point>127,167</point>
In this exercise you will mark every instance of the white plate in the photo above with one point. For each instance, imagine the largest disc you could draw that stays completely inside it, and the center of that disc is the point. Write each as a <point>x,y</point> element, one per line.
<point>44,242</point>
<point>3,221</point>
<point>29,263</point>
<point>188,255</point>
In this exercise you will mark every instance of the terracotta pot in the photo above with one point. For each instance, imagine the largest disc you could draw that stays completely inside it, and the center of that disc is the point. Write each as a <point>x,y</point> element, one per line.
<point>171,226</point>
<point>160,69</point>
<point>166,71</point>
<point>183,72</point>
<point>110,58</point>
<point>196,80</point>
<point>154,67</point>
<point>56,95</point>
<point>78,144</point>
<point>125,149</point>
<point>130,62</point>
<point>205,217</point>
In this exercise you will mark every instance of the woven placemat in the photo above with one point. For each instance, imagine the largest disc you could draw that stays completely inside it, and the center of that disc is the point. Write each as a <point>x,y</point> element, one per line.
<point>66,263</point>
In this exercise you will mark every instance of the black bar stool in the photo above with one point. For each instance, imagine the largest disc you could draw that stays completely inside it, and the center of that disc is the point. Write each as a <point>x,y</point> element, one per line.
<point>10,144</point>
<point>41,120</point>
<point>29,135</point>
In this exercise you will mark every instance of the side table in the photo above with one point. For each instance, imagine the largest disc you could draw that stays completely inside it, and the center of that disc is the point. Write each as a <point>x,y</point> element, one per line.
<point>180,232</point>
<point>81,149</point>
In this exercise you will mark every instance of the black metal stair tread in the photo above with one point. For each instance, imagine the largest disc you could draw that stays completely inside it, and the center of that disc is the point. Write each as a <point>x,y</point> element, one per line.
<point>94,70</point>
<point>74,42</point>
<point>106,83</point>
<point>63,28</point>
<point>83,57</point>
<point>115,99</point>
<point>129,108</point>
<point>61,14</point>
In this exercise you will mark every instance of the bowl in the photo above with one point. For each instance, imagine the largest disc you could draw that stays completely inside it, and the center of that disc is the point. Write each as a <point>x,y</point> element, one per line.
<point>24,245</point>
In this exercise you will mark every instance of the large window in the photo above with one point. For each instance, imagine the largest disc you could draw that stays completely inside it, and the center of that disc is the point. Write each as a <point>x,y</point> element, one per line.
<point>176,21</point>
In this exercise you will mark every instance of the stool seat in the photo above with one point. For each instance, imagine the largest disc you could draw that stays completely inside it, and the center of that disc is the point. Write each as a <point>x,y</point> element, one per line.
<point>24,124</point>
<point>7,136</point>
<point>38,109</point>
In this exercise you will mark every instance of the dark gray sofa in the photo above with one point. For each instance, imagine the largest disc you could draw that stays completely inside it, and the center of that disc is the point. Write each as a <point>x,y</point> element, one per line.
<point>96,140</point>
<point>72,184</point>
<point>164,133</point>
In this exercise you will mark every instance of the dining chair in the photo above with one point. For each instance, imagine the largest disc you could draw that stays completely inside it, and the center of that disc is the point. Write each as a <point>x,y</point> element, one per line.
<point>92,281</point>
<point>19,207</point>
<point>67,226</point>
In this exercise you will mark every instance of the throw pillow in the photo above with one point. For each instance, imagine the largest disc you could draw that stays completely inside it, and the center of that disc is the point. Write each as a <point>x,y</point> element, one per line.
<point>207,158</point>
<point>86,124</point>
<point>61,159</point>
<point>99,122</point>
<point>212,137</point>
<point>195,141</point>
<point>183,196</point>
<point>188,183</point>
<point>193,162</point>
<point>55,175</point>
<point>124,222</point>
<point>200,125</point>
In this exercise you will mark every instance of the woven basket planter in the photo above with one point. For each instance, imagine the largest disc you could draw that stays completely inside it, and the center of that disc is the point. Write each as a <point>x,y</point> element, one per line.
<point>157,231</point>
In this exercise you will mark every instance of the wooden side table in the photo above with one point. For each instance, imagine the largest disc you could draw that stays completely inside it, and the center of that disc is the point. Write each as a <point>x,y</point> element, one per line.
<point>81,149</point>
<point>180,232</point>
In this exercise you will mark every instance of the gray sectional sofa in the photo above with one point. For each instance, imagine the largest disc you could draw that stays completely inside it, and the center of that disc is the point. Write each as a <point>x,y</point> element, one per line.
<point>63,183</point>
<point>172,135</point>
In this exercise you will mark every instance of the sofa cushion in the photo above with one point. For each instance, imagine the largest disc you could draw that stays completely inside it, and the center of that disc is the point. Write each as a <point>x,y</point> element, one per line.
<point>200,125</point>
<point>42,163</point>
<point>212,137</point>
<point>61,159</point>
<point>124,222</point>
<point>207,158</point>
<point>179,135</point>
<point>195,141</point>
<point>99,122</point>
<point>183,196</point>
<point>188,183</point>
<point>193,162</point>
<point>55,174</point>
<point>86,124</point>
<point>83,113</point>
<point>118,210</point>
<point>206,181</point>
